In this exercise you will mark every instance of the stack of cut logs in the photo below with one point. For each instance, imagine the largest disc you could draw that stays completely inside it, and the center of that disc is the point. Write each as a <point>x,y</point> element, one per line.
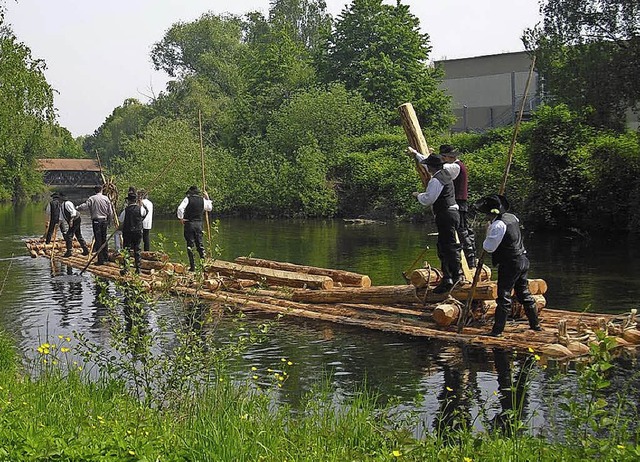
<point>349,298</point>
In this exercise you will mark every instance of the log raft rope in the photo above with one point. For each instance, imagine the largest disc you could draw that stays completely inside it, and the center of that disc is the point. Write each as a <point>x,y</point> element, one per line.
<point>400,309</point>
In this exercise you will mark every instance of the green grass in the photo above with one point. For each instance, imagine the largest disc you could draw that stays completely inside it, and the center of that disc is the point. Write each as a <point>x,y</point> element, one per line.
<point>60,415</point>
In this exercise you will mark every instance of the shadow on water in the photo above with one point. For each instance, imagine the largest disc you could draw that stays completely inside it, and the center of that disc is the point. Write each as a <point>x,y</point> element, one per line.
<point>456,384</point>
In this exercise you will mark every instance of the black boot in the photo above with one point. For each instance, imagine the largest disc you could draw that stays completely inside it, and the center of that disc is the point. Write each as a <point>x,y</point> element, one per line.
<point>85,250</point>
<point>444,286</point>
<point>532,316</point>
<point>68,253</point>
<point>192,263</point>
<point>499,321</point>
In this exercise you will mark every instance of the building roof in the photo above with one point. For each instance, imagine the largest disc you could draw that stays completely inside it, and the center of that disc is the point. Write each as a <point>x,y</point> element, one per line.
<point>75,165</point>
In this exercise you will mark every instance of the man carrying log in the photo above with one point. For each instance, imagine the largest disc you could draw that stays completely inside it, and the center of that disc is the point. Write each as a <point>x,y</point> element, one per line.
<point>504,242</point>
<point>461,186</point>
<point>440,195</point>
<point>72,220</point>
<point>191,213</point>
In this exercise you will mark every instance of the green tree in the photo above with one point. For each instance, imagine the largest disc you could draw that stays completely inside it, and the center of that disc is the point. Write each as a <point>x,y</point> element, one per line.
<point>379,51</point>
<point>26,107</point>
<point>125,122</point>
<point>57,142</point>
<point>588,53</point>
<point>307,19</point>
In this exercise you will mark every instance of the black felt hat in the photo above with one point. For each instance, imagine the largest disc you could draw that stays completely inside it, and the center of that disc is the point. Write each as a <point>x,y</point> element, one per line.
<point>493,204</point>
<point>433,160</point>
<point>193,191</point>
<point>448,150</point>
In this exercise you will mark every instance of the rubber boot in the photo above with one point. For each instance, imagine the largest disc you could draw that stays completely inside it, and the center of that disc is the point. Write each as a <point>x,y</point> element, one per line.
<point>532,315</point>
<point>192,263</point>
<point>499,321</point>
<point>444,286</point>
<point>68,253</point>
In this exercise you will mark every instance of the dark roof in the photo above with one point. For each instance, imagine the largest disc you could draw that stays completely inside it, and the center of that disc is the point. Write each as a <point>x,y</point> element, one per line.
<point>75,165</point>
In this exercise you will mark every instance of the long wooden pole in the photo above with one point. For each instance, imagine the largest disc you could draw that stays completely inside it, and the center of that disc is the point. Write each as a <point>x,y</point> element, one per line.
<point>204,182</point>
<point>462,319</point>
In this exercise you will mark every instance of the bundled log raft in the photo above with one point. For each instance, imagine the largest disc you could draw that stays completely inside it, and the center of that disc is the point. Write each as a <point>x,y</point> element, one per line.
<point>344,297</point>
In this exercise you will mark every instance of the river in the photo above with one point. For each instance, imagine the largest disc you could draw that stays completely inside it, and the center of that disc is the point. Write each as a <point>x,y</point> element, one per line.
<point>598,274</point>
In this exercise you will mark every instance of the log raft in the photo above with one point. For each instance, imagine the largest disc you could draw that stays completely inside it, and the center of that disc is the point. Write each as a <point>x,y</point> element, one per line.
<point>251,284</point>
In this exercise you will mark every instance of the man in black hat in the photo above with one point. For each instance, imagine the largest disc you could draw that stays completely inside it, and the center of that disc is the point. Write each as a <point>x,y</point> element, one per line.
<point>504,242</point>
<point>190,213</point>
<point>72,221</point>
<point>440,195</point>
<point>461,186</point>
<point>53,211</point>
<point>131,222</point>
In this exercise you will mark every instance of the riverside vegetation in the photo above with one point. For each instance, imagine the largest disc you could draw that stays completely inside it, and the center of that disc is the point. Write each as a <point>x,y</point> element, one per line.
<point>152,396</point>
<point>295,113</point>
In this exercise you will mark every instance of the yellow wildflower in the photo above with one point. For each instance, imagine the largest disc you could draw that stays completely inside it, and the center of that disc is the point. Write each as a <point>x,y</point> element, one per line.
<point>254,368</point>
<point>132,452</point>
<point>530,350</point>
<point>468,459</point>
<point>449,389</point>
<point>289,363</point>
<point>255,377</point>
<point>65,349</point>
<point>536,357</point>
<point>396,453</point>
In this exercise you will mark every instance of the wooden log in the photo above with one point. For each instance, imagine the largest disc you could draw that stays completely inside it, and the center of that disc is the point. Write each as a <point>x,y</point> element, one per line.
<point>415,138</point>
<point>375,294</point>
<point>393,295</point>
<point>424,277</point>
<point>154,256</point>
<point>346,278</point>
<point>270,276</point>
<point>445,314</point>
<point>156,265</point>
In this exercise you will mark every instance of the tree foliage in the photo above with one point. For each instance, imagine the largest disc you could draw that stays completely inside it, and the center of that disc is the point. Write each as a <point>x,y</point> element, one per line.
<point>26,107</point>
<point>588,53</point>
<point>379,51</point>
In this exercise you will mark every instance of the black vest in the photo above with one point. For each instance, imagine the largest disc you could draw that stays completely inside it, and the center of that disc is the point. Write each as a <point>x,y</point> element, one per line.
<point>54,207</point>
<point>195,209</point>
<point>511,246</point>
<point>132,219</point>
<point>447,197</point>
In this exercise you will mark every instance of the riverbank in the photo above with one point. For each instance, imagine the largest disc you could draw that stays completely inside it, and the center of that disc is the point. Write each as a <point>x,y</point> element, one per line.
<point>52,411</point>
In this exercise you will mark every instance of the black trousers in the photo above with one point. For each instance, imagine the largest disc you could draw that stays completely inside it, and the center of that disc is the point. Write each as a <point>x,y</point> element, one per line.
<point>193,235</point>
<point>447,222</point>
<point>74,230</point>
<point>512,276</point>
<point>466,234</point>
<point>100,237</point>
<point>131,241</point>
<point>146,241</point>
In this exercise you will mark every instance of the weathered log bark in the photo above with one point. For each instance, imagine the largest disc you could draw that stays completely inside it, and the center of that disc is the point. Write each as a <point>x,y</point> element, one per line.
<point>393,295</point>
<point>346,278</point>
<point>446,314</point>
<point>270,276</point>
<point>154,256</point>
<point>424,277</point>
<point>415,137</point>
<point>375,294</point>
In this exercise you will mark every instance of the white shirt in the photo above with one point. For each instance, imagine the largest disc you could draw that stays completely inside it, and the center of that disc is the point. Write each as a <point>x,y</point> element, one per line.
<point>453,168</point>
<point>148,219</point>
<point>495,233</point>
<point>208,206</point>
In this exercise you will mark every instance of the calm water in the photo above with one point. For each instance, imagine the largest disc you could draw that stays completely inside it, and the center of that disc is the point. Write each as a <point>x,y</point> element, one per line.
<point>38,305</point>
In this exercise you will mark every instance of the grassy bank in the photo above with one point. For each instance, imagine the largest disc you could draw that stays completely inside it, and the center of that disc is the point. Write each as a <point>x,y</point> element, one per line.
<point>60,415</point>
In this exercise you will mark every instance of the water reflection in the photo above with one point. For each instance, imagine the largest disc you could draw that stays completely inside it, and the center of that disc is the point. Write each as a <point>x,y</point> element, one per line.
<point>512,391</point>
